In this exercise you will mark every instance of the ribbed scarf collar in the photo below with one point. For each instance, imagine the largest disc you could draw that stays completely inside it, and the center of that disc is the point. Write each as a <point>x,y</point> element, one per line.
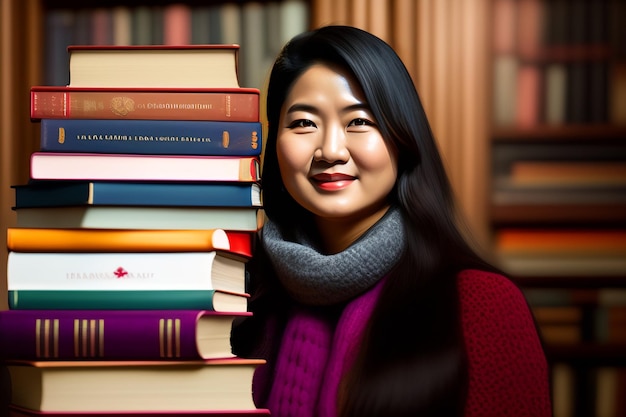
<point>313,278</point>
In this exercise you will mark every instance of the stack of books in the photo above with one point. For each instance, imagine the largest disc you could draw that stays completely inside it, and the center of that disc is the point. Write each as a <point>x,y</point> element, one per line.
<point>127,266</point>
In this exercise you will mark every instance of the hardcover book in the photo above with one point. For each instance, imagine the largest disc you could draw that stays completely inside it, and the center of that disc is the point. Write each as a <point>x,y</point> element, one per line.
<point>103,240</point>
<point>240,219</point>
<point>151,137</point>
<point>15,411</point>
<point>127,193</point>
<point>215,104</point>
<point>126,271</point>
<point>211,300</point>
<point>95,386</point>
<point>180,66</point>
<point>127,167</point>
<point>115,334</point>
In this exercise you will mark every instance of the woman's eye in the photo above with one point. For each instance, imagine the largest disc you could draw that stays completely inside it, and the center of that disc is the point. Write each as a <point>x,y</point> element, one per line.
<point>360,122</point>
<point>301,123</point>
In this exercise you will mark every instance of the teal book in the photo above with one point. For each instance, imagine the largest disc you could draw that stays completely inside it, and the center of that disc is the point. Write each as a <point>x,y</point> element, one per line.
<point>210,300</point>
<point>95,193</point>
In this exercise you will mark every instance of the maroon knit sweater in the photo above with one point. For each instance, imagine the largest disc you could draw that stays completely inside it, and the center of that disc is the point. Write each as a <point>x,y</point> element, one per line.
<point>508,372</point>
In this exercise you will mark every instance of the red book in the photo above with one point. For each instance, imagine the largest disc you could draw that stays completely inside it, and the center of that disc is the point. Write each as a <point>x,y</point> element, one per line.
<point>213,104</point>
<point>528,95</point>
<point>241,242</point>
<point>115,334</point>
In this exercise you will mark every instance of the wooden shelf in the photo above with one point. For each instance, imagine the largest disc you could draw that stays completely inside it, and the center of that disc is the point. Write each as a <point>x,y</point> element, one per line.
<point>581,214</point>
<point>568,282</point>
<point>570,132</point>
<point>588,354</point>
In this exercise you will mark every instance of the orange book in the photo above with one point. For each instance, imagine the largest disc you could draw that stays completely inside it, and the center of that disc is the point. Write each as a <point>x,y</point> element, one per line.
<point>111,240</point>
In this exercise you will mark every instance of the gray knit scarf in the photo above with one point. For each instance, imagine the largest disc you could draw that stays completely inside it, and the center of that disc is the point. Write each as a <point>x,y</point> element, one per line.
<point>313,278</point>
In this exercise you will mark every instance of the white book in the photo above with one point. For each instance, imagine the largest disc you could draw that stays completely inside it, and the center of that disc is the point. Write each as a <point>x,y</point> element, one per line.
<point>125,271</point>
<point>140,217</point>
<point>294,18</point>
<point>504,89</point>
<point>555,93</point>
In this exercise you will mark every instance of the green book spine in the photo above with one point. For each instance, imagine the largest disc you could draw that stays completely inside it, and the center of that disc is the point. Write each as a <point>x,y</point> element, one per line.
<point>113,300</point>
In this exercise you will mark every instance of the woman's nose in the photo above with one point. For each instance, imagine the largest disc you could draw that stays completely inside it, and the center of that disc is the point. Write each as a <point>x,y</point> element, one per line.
<point>333,146</point>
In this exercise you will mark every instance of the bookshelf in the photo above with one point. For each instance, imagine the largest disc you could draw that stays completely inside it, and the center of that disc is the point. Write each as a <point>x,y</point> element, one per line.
<point>558,146</point>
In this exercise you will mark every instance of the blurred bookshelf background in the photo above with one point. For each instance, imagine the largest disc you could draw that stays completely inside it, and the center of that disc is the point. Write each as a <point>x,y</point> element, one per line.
<point>527,99</point>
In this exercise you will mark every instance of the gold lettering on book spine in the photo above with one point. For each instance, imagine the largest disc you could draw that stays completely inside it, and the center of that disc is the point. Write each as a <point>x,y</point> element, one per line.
<point>225,139</point>
<point>169,338</point>
<point>88,338</point>
<point>47,338</point>
<point>61,137</point>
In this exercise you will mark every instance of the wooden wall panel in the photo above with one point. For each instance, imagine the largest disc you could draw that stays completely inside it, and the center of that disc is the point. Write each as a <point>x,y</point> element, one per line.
<point>20,52</point>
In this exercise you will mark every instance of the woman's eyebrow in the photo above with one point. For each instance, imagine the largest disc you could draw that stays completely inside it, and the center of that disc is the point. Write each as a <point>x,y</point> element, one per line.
<point>302,107</point>
<point>312,109</point>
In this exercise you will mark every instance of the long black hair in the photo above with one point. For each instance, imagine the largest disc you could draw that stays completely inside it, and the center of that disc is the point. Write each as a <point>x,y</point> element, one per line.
<point>412,359</point>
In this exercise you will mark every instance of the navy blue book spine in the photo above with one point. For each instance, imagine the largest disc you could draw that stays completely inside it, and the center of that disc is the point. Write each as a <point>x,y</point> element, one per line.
<point>151,137</point>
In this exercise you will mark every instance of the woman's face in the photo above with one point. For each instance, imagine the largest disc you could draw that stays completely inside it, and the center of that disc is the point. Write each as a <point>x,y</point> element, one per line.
<point>332,157</point>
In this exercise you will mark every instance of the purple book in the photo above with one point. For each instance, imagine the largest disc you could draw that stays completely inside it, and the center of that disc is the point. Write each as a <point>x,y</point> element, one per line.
<point>115,334</point>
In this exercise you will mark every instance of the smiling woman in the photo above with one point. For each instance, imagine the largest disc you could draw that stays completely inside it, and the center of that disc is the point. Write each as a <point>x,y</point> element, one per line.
<point>334,160</point>
<point>367,300</point>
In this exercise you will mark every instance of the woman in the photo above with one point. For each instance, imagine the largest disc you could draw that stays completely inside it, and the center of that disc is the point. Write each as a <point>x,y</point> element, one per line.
<point>367,300</point>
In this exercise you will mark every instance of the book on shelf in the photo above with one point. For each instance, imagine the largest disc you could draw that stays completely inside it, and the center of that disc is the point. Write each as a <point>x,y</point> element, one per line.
<point>213,104</point>
<point>558,195</point>
<point>211,300</point>
<point>135,167</point>
<point>617,94</point>
<point>564,241</point>
<point>528,26</point>
<point>559,324</point>
<point>127,193</point>
<point>529,80</point>
<point>611,324</point>
<point>94,386</point>
<point>564,380</point>
<point>559,297</point>
<point>567,172</point>
<point>505,98</point>
<point>111,240</point>
<point>179,66</point>
<point>555,94</point>
<point>177,24</point>
<point>116,334</point>
<point>15,411</point>
<point>239,219</point>
<point>126,271</point>
<point>563,265</point>
<point>152,137</point>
